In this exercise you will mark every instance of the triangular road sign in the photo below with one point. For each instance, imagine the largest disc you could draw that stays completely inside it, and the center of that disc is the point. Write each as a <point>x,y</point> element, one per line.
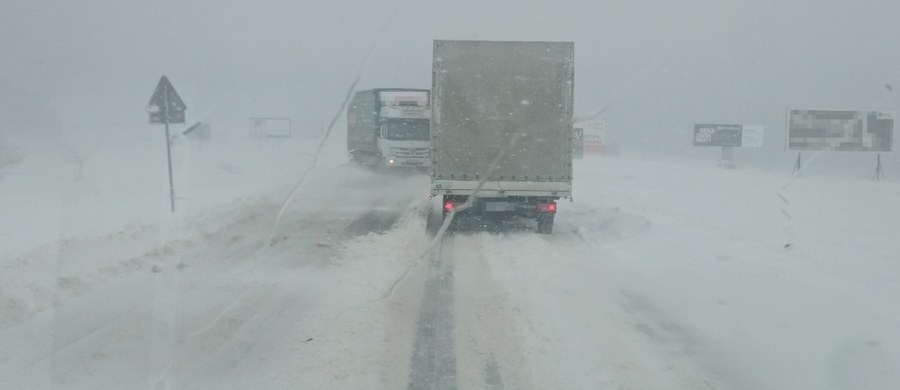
<point>164,91</point>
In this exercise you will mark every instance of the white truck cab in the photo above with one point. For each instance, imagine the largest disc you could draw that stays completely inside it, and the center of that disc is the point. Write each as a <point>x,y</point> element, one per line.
<point>390,128</point>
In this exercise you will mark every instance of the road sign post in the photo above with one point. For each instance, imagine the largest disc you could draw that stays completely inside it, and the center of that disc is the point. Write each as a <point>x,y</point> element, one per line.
<point>166,107</point>
<point>169,148</point>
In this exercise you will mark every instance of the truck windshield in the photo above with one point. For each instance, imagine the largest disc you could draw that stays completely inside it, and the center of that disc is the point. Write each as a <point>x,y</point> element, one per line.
<point>408,130</point>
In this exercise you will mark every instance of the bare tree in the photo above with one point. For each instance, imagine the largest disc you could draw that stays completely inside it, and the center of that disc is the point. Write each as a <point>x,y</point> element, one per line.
<point>9,158</point>
<point>79,156</point>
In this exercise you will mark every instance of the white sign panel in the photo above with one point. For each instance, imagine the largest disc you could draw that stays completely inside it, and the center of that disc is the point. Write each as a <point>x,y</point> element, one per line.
<point>270,127</point>
<point>752,136</point>
<point>594,135</point>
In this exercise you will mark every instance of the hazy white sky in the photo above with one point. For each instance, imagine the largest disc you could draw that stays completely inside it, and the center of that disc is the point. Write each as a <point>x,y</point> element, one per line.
<point>664,64</point>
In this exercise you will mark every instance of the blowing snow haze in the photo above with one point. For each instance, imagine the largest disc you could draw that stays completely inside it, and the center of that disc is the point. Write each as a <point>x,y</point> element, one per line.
<point>458,240</point>
<point>663,65</point>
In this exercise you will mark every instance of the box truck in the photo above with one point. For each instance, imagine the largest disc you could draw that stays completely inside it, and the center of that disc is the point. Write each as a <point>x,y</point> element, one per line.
<point>501,128</point>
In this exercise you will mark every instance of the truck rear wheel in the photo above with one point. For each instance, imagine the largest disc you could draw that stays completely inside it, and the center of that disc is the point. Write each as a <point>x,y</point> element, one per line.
<point>545,224</point>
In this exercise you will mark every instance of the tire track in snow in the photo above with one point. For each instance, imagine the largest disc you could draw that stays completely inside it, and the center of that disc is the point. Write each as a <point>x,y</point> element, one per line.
<point>433,364</point>
<point>580,330</point>
<point>464,336</point>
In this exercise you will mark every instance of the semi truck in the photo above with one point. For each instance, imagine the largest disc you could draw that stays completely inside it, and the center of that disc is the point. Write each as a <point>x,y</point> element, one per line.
<point>389,128</point>
<point>501,128</point>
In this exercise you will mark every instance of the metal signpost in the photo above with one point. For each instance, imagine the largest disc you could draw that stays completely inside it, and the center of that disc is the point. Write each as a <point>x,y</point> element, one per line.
<point>166,107</point>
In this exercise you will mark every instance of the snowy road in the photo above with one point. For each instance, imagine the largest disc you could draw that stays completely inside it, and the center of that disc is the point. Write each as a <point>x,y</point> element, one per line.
<point>224,312</point>
<point>487,320</point>
<point>237,246</point>
<point>666,282</point>
<point>433,364</point>
<point>639,287</point>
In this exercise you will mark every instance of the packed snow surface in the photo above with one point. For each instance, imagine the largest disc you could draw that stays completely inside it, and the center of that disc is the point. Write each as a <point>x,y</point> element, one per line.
<point>659,274</point>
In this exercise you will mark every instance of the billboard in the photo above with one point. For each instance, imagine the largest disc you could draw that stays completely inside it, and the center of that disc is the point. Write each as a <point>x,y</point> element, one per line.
<point>707,134</point>
<point>270,127</point>
<point>593,133</point>
<point>732,135</point>
<point>843,131</point>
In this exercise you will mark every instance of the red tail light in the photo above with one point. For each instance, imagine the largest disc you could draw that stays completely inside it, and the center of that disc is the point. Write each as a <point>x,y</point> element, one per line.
<point>448,206</point>
<point>546,207</point>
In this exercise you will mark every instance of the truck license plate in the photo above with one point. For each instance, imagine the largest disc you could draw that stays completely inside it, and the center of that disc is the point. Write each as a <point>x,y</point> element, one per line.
<point>497,206</point>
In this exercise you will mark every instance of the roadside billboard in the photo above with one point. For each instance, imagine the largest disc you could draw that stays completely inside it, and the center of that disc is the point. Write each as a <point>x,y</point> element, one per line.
<point>707,134</point>
<point>728,135</point>
<point>842,131</point>
<point>593,135</point>
<point>270,127</point>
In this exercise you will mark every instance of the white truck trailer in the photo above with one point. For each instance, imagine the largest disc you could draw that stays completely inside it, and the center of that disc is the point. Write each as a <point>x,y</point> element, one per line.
<point>389,127</point>
<point>501,128</point>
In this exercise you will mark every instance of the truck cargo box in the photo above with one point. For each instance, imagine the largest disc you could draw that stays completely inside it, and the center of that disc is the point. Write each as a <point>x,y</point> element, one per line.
<point>502,117</point>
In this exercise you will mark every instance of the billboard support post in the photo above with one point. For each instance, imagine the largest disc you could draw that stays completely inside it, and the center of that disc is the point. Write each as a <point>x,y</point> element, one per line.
<point>728,157</point>
<point>879,172</point>
<point>798,165</point>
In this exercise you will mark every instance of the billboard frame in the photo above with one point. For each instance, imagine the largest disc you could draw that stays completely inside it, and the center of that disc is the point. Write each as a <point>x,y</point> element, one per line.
<point>871,126</point>
<point>256,133</point>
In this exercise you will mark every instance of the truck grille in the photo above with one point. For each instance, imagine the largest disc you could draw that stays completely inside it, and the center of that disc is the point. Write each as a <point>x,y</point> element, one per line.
<point>410,152</point>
